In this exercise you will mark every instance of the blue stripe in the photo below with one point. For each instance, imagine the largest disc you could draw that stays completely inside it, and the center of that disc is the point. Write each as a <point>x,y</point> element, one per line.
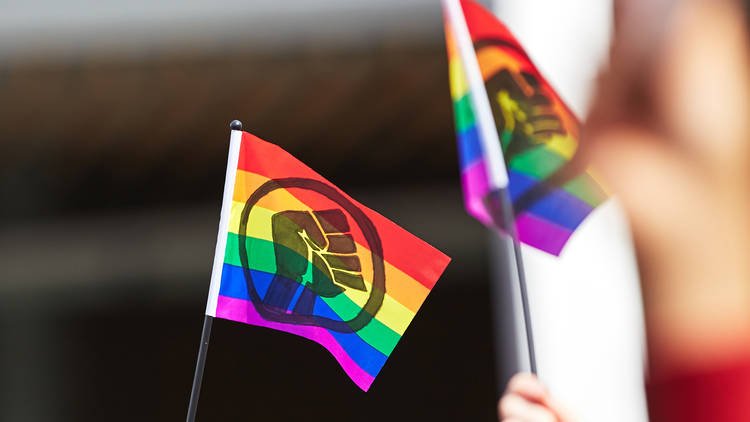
<point>367,357</point>
<point>469,147</point>
<point>559,206</point>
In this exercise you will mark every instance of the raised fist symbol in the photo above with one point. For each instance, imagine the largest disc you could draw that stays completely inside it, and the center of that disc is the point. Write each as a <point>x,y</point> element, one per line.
<point>522,111</point>
<point>315,250</point>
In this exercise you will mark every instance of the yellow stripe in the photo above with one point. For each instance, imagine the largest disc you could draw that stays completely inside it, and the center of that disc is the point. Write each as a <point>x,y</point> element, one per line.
<point>564,146</point>
<point>459,85</point>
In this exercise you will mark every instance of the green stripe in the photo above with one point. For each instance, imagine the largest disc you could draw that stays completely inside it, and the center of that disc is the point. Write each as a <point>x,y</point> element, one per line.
<point>505,139</point>
<point>463,113</point>
<point>537,162</point>
<point>540,163</point>
<point>376,334</point>
<point>263,258</point>
<point>586,189</point>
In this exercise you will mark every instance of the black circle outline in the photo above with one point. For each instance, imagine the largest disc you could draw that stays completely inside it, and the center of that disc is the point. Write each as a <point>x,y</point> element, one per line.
<point>377,293</point>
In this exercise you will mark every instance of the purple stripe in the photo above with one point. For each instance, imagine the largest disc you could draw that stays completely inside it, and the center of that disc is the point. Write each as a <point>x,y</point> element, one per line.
<point>475,187</point>
<point>243,311</point>
<point>532,230</point>
<point>556,205</point>
<point>542,234</point>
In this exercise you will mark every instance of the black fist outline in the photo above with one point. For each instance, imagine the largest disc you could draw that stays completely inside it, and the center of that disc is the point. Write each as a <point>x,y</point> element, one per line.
<point>521,109</point>
<point>273,303</point>
<point>319,243</point>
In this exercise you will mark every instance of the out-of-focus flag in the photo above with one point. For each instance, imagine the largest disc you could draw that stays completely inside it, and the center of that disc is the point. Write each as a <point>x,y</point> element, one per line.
<point>552,192</point>
<point>296,254</point>
<point>583,288</point>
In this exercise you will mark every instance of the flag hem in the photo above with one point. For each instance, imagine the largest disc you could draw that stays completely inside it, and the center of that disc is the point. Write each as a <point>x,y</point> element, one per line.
<point>235,141</point>
<point>489,139</point>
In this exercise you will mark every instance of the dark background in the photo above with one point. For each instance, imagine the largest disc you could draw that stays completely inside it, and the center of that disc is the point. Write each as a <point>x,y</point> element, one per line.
<point>113,142</point>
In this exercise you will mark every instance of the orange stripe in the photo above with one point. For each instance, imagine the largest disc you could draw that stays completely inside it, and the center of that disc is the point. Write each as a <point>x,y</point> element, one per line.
<point>493,59</point>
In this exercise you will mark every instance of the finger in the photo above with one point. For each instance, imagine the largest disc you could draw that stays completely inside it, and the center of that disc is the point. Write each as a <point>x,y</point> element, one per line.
<point>341,243</point>
<point>343,262</point>
<point>332,221</point>
<point>529,387</point>
<point>351,280</point>
<point>564,414</point>
<point>513,406</point>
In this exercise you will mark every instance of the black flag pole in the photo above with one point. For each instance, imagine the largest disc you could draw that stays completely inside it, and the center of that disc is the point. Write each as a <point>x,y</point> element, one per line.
<point>195,391</point>
<point>500,205</point>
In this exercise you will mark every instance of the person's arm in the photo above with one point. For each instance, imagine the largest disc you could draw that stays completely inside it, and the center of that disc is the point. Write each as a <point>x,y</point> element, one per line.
<point>670,133</point>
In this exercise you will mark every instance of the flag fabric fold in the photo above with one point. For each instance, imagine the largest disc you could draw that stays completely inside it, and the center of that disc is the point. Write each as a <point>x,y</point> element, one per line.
<point>297,254</point>
<point>551,190</point>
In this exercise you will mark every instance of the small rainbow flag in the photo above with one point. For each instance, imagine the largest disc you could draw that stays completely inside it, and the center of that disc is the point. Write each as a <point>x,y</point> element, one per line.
<point>552,192</point>
<point>296,254</point>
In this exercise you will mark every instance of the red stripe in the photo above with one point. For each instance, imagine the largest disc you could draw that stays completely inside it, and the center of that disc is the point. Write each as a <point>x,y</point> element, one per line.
<point>483,24</point>
<point>401,249</point>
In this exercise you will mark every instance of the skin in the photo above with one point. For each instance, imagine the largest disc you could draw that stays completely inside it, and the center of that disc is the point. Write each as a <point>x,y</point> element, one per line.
<point>527,400</point>
<point>669,133</point>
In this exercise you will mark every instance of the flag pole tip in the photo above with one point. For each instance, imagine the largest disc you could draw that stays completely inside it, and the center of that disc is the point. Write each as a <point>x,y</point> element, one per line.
<point>235,125</point>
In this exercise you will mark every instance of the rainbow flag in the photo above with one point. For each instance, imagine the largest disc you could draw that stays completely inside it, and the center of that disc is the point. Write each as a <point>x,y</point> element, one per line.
<point>551,190</point>
<point>297,254</point>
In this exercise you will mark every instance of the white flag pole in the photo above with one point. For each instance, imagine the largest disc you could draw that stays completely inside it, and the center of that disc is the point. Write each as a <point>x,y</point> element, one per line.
<point>235,140</point>
<point>498,174</point>
<point>499,202</point>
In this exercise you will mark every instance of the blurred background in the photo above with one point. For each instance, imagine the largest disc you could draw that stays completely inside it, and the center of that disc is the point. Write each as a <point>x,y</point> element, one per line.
<point>113,140</point>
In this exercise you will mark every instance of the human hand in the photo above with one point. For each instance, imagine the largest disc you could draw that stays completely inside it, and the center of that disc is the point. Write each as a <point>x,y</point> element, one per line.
<point>527,400</point>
